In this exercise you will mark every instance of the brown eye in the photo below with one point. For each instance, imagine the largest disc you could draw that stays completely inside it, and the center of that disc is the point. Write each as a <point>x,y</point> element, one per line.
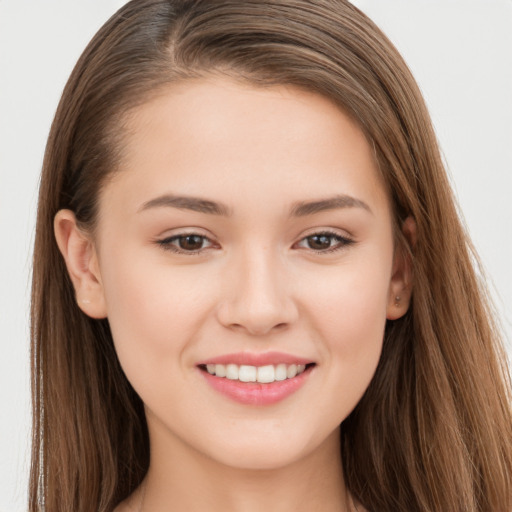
<point>187,244</point>
<point>191,242</point>
<point>325,242</point>
<point>319,242</point>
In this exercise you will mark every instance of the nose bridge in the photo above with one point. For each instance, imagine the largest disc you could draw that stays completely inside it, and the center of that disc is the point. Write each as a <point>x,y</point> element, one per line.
<point>258,299</point>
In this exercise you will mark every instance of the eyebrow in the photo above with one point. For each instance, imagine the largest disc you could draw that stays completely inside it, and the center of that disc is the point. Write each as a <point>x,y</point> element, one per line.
<point>195,204</point>
<point>303,208</point>
<point>299,209</point>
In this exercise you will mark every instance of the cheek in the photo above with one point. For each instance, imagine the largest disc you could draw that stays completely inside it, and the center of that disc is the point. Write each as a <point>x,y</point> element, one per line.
<point>153,312</point>
<point>350,301</point>
<point>349,317</point>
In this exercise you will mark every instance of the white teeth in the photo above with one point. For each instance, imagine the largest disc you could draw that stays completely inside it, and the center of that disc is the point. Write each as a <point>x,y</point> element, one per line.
<point>247,373</point>
<point>232,371</point>
<point>220,370</point>
<point>281,372</point>
<point>262,374</point>
<point>266,374</point>
<point>291,371</point>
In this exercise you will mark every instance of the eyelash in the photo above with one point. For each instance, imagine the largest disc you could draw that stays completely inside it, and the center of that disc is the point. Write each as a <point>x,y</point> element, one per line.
<point>167,243</point>
<point>342,241</point>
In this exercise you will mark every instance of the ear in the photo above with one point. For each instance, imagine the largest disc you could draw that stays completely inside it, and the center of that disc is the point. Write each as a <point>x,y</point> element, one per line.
<point>400,286</point>
<point>81,259</point>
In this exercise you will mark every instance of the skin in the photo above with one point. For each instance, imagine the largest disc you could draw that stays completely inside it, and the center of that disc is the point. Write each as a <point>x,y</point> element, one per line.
<point>257,284</point>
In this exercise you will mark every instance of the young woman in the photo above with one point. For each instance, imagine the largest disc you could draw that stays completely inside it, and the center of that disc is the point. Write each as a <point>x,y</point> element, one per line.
<point>251,287</point>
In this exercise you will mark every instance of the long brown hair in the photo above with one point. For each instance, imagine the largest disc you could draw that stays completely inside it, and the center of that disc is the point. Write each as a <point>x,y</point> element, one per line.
<point>433,431</point>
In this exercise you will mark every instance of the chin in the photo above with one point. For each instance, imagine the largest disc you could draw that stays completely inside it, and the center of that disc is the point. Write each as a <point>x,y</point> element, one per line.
<point>260,459</point>
<point>265,452</point>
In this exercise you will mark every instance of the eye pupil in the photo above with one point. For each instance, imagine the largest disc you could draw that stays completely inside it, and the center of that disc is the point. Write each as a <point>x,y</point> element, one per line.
<point>319,241</point>
<point>191,242</point>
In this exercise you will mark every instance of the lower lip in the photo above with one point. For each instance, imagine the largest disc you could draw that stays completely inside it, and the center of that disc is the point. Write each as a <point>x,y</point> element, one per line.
<point>254,393</point>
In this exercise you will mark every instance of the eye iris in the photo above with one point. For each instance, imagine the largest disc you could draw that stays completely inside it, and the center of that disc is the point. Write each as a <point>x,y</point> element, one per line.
<point>191,242</point>
<point>319,241</point>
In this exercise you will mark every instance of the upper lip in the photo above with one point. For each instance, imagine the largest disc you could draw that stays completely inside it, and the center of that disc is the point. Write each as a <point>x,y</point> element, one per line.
<point>256,359</point>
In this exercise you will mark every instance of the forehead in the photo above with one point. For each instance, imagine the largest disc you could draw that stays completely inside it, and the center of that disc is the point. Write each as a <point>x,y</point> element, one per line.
<point>219,137</point>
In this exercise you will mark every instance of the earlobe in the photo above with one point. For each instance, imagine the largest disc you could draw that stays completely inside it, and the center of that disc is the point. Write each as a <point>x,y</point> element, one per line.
<point>80,256</point>
<point>400,287</point>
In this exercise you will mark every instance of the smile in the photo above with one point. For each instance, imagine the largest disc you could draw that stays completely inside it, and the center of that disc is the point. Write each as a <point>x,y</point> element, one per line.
<point>262,374</point>
<point>256,379</point>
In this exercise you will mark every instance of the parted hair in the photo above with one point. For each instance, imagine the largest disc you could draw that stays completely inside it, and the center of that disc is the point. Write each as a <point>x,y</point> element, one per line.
<point>433,432</point>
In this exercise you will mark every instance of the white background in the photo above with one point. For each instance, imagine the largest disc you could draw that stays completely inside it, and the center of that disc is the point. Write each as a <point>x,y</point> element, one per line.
<point>459,50</point>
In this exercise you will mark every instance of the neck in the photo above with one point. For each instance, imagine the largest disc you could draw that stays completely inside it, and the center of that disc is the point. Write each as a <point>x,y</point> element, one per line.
<point>180,478</point>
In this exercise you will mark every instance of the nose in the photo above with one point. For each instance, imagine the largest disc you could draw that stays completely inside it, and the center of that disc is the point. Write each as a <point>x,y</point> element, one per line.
<point>257,297</point>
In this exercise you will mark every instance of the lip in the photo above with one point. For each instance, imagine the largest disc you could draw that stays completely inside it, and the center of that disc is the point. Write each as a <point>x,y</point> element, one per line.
<point>255,393</point>
<point>256,359</point>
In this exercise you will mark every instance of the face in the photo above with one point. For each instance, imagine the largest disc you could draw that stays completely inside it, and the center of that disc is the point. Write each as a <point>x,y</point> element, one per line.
<point>248,233</point>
